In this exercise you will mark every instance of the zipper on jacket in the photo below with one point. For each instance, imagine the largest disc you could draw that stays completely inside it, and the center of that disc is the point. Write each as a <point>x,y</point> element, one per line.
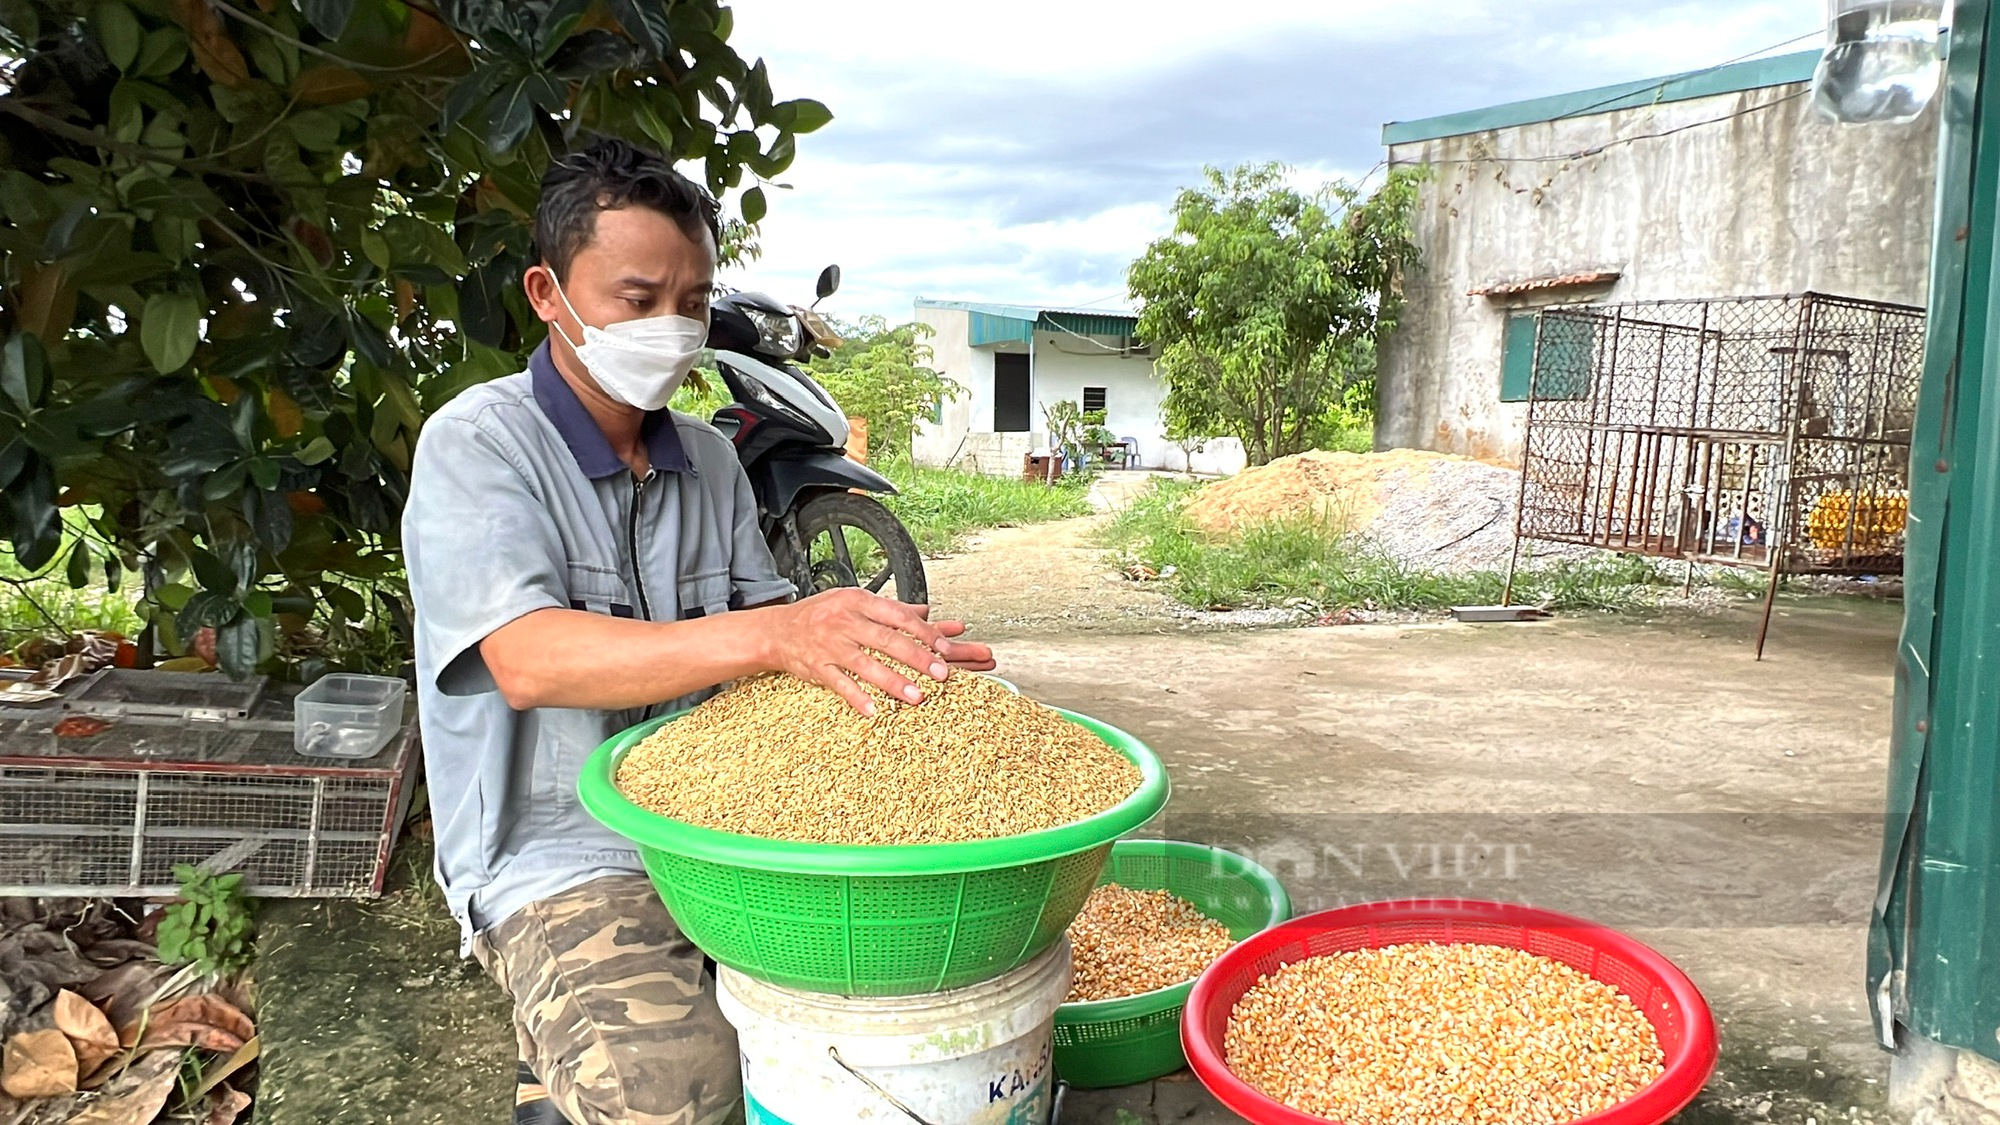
<point>638,576</point>
<point>632,544</point>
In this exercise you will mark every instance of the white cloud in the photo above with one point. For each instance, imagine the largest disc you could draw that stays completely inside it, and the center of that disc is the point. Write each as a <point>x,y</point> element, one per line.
<point>1028,152</point>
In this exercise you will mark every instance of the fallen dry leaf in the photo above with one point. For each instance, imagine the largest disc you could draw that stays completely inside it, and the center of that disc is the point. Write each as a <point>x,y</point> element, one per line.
<point>89,1030</point>
<point>213,1076</point>
<point>226,1104</point>
<point>205,1021</point>
<point>39,1064</point>
<point>122,993</point>
<point>137,1095</point>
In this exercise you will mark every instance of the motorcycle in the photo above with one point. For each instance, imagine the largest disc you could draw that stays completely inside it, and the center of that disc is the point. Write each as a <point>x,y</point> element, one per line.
<point>790,436</point>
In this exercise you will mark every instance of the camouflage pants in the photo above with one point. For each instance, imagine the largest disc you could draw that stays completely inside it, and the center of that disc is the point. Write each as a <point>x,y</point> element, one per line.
<point>613,1008</point>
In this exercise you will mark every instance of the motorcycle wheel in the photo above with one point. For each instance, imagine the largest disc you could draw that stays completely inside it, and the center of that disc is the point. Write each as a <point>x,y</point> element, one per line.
<point>852,540</point>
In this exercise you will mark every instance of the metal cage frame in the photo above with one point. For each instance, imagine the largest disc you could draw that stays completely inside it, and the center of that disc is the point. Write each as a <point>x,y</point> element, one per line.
<point>112,813</point>
<point>1769,432</point>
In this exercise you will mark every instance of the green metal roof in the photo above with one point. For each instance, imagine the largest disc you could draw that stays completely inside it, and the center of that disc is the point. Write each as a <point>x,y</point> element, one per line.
<point>1756,74</point>
<point>991,324</point>
<point>985,329</point>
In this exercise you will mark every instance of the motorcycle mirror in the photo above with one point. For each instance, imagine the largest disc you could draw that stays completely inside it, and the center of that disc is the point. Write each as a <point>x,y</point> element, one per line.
<point>829,282</point>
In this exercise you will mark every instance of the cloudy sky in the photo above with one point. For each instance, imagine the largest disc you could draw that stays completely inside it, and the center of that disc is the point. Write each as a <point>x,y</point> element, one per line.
<point>1026,152</point>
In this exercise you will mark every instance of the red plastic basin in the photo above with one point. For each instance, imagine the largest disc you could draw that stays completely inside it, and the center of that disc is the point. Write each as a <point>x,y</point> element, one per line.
<point>1679,1015</point>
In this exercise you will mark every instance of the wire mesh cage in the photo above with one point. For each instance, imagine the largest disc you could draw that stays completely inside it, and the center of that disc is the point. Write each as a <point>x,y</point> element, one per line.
<point>1769,432</point>
<point>113,812</point>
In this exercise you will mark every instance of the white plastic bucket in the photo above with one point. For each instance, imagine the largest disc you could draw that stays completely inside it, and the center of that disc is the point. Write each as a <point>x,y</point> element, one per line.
<point>971,1056</point>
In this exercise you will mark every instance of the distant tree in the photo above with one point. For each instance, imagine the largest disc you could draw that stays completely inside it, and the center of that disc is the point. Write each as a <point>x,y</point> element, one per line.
<point>882,372</point>
<point>1266,302</point>
<point>247,246</point>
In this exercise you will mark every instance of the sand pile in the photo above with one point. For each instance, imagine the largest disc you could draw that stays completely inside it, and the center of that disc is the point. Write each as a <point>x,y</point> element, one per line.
<point>1346,489</point>
<point>1427,509</point>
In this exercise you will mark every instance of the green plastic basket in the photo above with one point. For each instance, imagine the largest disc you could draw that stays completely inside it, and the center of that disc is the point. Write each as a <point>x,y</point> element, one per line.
<point>1138,1038</point>
<point>860,920</point>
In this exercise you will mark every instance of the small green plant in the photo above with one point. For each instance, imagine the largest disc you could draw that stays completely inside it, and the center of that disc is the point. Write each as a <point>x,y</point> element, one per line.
<point>209,927</point>
<point>1077,432</point>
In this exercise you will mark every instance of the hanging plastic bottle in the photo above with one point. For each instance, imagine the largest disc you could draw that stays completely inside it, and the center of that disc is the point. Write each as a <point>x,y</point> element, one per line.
<point>1881,63</point>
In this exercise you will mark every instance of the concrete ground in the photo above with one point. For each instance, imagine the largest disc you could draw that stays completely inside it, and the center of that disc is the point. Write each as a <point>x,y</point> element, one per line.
<point>1646,774</point>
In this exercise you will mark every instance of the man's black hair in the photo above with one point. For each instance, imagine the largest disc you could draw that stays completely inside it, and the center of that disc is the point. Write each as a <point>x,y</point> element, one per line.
<point>606,174</point>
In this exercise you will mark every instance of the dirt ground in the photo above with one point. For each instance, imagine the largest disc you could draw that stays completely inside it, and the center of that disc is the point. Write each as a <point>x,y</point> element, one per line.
<point>1647,774</point>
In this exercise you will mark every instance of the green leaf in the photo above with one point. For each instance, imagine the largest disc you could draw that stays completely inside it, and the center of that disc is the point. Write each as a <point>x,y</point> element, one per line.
<point>229,883</point>
<point>470,93</point>
<point>316,130</point>
<point>13,458</point>
<point>222,483</point>
<point>79,566</point>
<point>169,330</point>
<point>645,22</point>
<point>162,53</point>
<point>557,24</point>
<point>510,116</point>
<point>315,451</point>
<point>37,527</point>
<point>207,610</point>
<point>270,516</point>
<point>753,205</point>
<point>118,29</point>
<point>481,305</point>
<point>24,370</point>
<point>185,873</point>
<point>214,574</point>
<point>243,563</point>
<point>60,241</point>
<point>376,248</point>
<point>350,604</point>
<point>328,17</point>
<point>265,472</point>
<point>239,646</point>
<point>113,573</point>
<point>777,159</point>
<point>173,595</point>
<point>800,115</point>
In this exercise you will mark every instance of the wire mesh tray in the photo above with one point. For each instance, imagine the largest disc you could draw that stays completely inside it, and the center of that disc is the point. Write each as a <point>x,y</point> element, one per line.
<point>193,696</point>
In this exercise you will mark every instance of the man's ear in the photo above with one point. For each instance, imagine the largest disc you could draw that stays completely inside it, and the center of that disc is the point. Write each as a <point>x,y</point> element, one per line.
<point>539,283</point>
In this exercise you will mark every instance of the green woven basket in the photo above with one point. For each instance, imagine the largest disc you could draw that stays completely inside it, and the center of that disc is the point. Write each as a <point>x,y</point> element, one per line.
<point>1138,1038</point>
<point>859,920</point>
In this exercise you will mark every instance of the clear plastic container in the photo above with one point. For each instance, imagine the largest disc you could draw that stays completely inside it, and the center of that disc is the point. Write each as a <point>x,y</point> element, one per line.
<point>345,715</point>
<point>1882,62</point>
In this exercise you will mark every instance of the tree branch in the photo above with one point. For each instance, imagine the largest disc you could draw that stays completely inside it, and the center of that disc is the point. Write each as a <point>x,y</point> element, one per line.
<point>21,585</point>
<point>57,127</point>
<point>351,64</point>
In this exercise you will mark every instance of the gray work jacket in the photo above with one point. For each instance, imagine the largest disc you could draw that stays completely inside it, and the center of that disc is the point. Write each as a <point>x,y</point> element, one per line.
<point>518,503</point>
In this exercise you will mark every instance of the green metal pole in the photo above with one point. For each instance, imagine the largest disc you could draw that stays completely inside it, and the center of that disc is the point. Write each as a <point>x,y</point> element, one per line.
<point>1934,945</point>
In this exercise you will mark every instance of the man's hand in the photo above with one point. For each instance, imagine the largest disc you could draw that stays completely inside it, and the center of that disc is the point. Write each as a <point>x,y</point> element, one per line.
<point>826,639</point>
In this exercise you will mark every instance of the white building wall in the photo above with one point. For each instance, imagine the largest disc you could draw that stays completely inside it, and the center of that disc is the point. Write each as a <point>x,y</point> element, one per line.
<point>1065,364</point>
<point>953,357</point>
<point>1734,195</point>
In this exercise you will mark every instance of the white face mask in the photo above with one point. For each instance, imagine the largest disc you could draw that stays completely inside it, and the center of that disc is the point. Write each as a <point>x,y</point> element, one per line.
<point>640,363</point>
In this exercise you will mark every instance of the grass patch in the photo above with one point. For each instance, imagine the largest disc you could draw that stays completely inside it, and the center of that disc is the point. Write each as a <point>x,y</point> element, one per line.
<point>1286,561</point>
<point>942,506</point>
<point>42,603</point>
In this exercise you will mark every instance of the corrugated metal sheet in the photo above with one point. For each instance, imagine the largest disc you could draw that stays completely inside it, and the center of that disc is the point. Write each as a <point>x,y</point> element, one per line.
<point>1088,324</point>
<point>985,329</point>
<point>1732,78</point>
